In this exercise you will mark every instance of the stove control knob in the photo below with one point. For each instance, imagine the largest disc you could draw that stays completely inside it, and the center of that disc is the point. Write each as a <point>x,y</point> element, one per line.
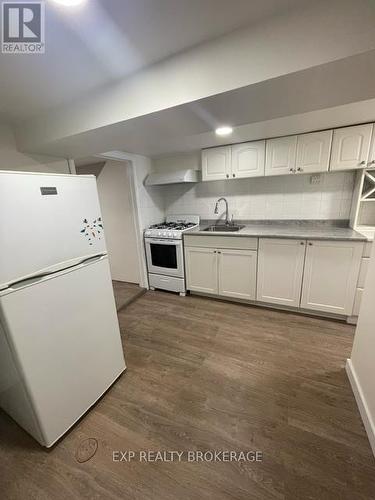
<point>159,233</point>
<point>164,234</point>
<point>175,235</point>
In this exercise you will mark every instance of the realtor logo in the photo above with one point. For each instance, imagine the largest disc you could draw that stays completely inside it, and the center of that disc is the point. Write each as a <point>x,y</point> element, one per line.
<point>23,28</point>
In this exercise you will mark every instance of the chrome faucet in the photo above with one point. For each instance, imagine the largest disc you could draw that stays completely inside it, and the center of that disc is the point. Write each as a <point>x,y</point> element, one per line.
<point>216,211</point>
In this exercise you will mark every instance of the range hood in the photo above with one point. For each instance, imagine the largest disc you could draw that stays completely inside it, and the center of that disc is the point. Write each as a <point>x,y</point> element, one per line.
<point>172,177</point>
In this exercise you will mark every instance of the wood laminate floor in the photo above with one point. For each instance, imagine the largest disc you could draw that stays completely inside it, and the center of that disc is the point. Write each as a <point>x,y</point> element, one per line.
<point>208,375</point>
<point>126,293</point>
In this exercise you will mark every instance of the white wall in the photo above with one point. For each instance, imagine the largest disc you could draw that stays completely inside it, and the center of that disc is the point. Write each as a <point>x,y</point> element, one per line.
<point>281,197</point>
<point>176,162</point>
<point>361,366</point>
<point>151,202</point>
<point>12,159</point>
<point>115,196</point>
<point>150,206</point>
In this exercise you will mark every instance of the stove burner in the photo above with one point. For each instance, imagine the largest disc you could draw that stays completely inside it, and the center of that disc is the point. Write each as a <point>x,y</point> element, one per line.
<point>177,226</point>
<point>173,228</point>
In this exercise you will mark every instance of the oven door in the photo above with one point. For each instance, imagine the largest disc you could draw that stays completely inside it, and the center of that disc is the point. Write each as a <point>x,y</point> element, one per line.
<point>165,257</point>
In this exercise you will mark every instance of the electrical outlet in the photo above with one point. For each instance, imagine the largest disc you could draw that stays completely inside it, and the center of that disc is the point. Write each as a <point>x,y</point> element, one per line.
<point>315,179</point>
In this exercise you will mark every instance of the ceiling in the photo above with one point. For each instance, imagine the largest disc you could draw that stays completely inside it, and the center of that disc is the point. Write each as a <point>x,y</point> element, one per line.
<point>94,45</point>
<point>261,110</point>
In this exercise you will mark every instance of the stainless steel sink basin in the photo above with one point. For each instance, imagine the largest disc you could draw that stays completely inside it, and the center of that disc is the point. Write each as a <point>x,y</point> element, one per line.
<point>224,229</point>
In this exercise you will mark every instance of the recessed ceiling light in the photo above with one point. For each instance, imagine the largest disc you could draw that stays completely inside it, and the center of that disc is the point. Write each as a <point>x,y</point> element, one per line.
<point>69,3</point>
<point>226,130</point>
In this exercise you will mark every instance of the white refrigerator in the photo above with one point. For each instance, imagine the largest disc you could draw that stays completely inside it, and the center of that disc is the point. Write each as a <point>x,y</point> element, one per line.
<point>60,345</point>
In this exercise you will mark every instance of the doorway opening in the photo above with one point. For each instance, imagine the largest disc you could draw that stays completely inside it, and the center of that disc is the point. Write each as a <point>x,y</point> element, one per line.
<point>114,180</point>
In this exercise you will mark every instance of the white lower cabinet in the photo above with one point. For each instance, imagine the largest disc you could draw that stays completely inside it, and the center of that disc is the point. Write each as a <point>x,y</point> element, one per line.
<point>280,270</point>
<point>201,269</point>
<point>227,272</point>
<point>330,277</point>
<point>237,271</point>
<point>320,275</point>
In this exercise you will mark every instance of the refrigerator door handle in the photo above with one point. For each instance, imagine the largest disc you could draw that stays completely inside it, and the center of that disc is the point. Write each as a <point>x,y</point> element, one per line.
<point>30,280</point>
<point>92,259</point>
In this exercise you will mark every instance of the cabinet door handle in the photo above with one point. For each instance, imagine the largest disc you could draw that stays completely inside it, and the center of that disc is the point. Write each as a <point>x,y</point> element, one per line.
<point>300,169</point>
<point>218,252</point>
<point>362,162</point>
<point>291,170</point>
<point>310,244</point>
<point>370,163</point>
<point>214,251</point>
<point>227,176</point>
<point>302,243</point>
<point>234,175</point>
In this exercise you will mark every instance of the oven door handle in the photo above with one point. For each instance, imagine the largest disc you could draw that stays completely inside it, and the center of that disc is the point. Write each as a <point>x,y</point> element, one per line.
<point>164,241</point>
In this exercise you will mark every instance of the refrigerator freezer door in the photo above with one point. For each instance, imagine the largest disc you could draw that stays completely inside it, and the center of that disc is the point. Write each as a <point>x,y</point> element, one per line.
<point>46,219</point>
<point>66,344</point>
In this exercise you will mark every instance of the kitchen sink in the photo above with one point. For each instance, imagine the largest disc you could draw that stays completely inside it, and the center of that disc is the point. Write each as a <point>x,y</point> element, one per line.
<point>224,229</point>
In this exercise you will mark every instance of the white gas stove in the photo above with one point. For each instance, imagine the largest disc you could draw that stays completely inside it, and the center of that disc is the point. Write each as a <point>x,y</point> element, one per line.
<point>173,227</point>
<point>165,254</point>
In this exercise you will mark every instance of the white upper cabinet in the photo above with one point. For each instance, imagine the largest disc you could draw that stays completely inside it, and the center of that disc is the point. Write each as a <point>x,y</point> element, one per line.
<point>216,163</point>
<point>350,147</point>
<point>313,152</point>
<point>248,159</point>
<point>237,273</point>
<point>280,270</point>
<point>330,277</point>
<point>345,148</point>
<point>234,162</point>
<point>281,155</point>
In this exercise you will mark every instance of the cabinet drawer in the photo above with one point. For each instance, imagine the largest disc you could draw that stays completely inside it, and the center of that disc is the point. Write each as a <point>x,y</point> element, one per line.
<point>208,241</point>
<point>166,283</point>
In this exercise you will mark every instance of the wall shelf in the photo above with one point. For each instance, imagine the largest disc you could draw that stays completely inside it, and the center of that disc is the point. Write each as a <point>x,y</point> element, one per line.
<point>362,217</point>
<point>368,188</point>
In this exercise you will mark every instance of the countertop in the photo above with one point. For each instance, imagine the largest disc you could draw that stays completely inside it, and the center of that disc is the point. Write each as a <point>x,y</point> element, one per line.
<point>315,230</point>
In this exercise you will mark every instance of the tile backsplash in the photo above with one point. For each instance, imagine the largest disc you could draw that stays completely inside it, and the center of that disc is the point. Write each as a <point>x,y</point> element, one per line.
<point>281,197</point>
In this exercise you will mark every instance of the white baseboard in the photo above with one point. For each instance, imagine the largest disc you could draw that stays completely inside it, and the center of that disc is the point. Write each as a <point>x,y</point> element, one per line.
<point>361,403</point>
<point>352,320</point>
